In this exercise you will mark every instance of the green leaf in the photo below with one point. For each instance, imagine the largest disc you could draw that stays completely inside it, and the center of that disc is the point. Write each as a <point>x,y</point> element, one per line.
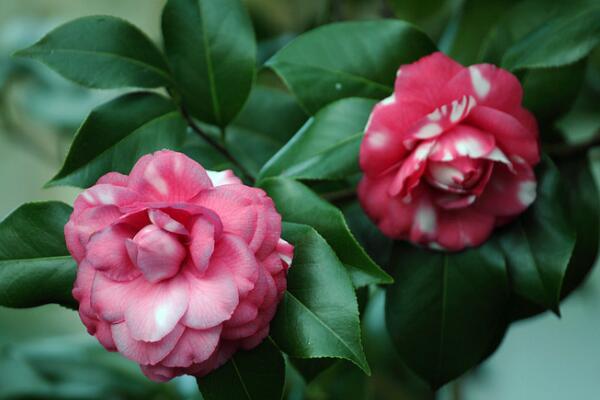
<point>212,52</point>
<point>251,375</point>
<point>584,212</point>
<point>116,134</point>
<point>538,245</point>
<point>327,145</point>
<point>446,312</point>
<point>550,92</point>
<point>562,40</point>
<point>318,316</point>
<point>298,204</point>
<point>35,265</point>
<point>467,30</point>
<point>348,59</point>
<point>267,121</point>
<point>102,52</point>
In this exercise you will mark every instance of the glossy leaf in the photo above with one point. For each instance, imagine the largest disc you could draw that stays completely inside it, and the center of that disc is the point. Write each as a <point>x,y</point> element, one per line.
<point>348,59</point>
<point>327,146</point>
<point>584,212</point>
<point>102,52</point>
<point>318,316</point>
<point>548,92</point>
<point>562,40</point>
<point>538,245</point>
<point>116,134</point>
<point>258,374</point>
<point>298,204</point>
<point>446,312</point>
<point>267,121</point>
<point>464,35</point>
<point>35,266</point>
<point>212,53</point>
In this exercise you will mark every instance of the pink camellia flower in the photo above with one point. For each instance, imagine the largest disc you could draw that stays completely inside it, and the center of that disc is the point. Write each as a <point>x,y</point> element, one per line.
<point>449,155</point>
<point>178,267</point>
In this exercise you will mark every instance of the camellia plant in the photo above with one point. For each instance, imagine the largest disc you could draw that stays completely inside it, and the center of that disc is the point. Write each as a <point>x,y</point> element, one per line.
<point>240,213</point>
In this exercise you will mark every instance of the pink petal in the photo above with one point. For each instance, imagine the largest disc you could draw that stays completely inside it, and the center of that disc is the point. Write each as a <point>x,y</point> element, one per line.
<point>165,222</point>
<point>285,251</point>
<point>194,346</point>
<point>426,220</point>
<point>79,228</point>
<point>104,336</point>
<point>158,254</point>
<point>106,252</point>
<point>252,341</point>
<point>226,177</point>
<point>463,228</point>
<point>156,308</point>
<point>244,313</point>
<point>143,352</point>
<point>110,299</point>
<point>168,176</point>
<point>511,136</point>
<point>392,214</point>
<point>386,133</point>
<point>236,207</point>
<point>424,80</point>
<point>508,193</point>
<point>82,289</point>
<point>159,373</point>
<point>213,298</point>
<point>462,141</point>
<point>113,178</point>
<point>103,195</point>
<point>411,170</point>
<point>202,244</point>
<point>441,119</point>
<point>489,85</point>
<point>231,253</point>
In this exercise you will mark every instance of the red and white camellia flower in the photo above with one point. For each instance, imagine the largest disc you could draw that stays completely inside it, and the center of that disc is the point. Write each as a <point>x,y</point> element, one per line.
<point>178,267</point>
<point>449,155</point>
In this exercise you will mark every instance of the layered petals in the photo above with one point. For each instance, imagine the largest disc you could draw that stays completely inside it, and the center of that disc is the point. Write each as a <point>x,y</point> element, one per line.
<point>178,267</point>
<point>450,155</point>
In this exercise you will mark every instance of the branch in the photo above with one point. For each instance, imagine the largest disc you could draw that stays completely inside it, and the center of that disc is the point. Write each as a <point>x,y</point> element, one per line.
<point>218,146</point>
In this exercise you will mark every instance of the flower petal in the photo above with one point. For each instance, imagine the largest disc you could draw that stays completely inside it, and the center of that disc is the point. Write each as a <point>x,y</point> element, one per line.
<point>508,193</point>
<point>165,222</point>
<point>143,352</point>
<point>462,141</point>
<point>194,346</point>
<point>231,253</point>
<point>106,252</point>
<point>202,244</point>
<point>158,254</point>
<point>80,228</point>
<point>489,85</point>
<point>156,308</point>
<point>511,136</point>
<point>213,298</point>
<point>168,176</point>
<point>424,80</point>
<point>462,228</point>
<point>225,177</point>
<point>411,170</point>
<point>386,134</point>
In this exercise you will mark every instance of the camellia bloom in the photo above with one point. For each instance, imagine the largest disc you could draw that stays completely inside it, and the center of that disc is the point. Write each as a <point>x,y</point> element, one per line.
<point>178,267</point>
<point>449,155</point>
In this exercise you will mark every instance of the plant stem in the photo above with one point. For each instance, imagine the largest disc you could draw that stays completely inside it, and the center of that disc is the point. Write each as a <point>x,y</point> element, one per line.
<point>218,146</point>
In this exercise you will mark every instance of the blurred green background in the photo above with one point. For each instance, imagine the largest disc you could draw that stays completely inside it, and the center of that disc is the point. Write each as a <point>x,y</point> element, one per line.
<point>46,353</point>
